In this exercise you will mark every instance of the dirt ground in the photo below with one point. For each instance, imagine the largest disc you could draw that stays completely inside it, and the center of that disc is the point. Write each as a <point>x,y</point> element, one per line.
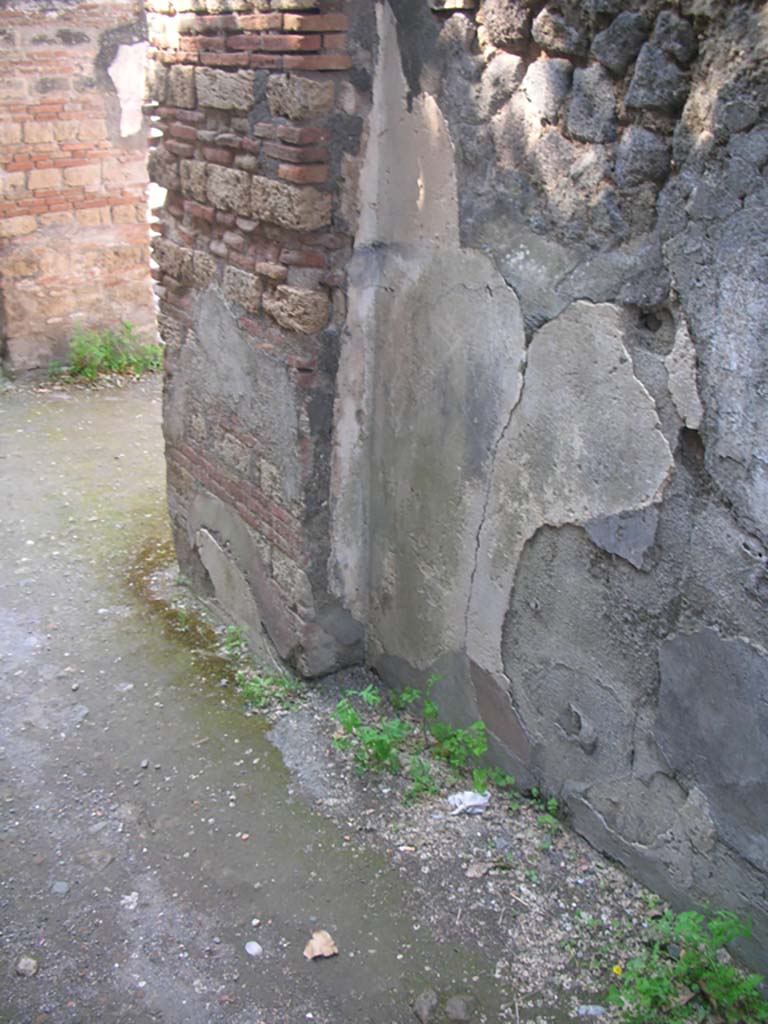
<point>150,828</point>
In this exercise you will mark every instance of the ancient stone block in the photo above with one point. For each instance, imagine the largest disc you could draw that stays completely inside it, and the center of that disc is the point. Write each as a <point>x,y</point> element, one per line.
<point>88,174</point>
<point>202,269</point>
<point>507,23</point>
<point>242,287</point>
<point>642,155</point>
<point>10,133</point>
<point>192,177</point>
<point>657,83</point>
<point>545,86</point>
<point>49,177</point>
<point>618,45</point>
<point>12,227</point>
<point>296,97</point>
<point>180,91</point>
<point>291,206</point>
<point>163,168</point>
<point>675,36</point>
<point>297,309</point>
<point>291,579</point>
<point>38,131</point>
<point>558,35</point>
<point>172,258</point>
<point>591,114</point>
<point>225,90</point>
<point>156,81</point>
<point>228,189</point>
<point>92,130</point>
<point>12,183</point>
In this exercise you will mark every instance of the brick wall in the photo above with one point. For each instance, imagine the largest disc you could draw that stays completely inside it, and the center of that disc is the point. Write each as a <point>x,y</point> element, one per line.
<point>73,231</point>
<point>251,250</point>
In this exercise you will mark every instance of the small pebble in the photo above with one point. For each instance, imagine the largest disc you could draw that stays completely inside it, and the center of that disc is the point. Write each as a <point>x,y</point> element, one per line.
<point>253,949</point>
<point>145,763</point>
<point>26,966</point>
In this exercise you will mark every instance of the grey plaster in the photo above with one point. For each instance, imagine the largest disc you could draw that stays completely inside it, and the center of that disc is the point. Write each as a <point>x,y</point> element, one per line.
<point>712,724</point>
<point>629,535</point>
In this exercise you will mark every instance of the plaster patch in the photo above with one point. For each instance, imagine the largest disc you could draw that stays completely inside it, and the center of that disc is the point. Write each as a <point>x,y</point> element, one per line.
<point>127,74</point>
<point>681,368</point>
<point>408,190</point>
<point>629,535</point>
<point>583,443</point>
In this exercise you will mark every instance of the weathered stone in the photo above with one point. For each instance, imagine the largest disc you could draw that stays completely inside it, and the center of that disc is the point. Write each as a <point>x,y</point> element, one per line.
<point>27,966</point>
<point>507,22</point>
<point>296,309</point>
<point>228,189</point>
<point>545,86</point>
<point>642,155</point>
<point>558,35</point>
<point>618,45</point>
<point>202,269</point>
<point>172,258</point>
<point>297,97</point>
<point>675,36</point>
<point>460,1008</point>
<point>242,287</point>
<point>592,110</point>
<point>502,76</point>
<point>13,227</point>
<point>225,90</point>
<point>657,82</point>
<point>193,179</point>
<point>163,168</point>
<point>291,206</point>
<point>180,90</point>
<point>425,1005</point>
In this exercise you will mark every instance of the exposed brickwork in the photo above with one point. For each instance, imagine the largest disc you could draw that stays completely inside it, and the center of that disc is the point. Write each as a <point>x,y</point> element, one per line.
<point>73,232</point>
<point>247,149</point>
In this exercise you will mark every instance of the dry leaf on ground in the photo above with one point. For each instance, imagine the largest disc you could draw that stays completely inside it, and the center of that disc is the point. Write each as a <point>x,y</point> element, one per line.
<point>321,944</point>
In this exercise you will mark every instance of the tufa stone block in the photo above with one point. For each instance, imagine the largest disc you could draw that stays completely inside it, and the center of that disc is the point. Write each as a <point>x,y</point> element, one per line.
<point>244,288</point>
<point>228,189</point>
<point>180,90</point>
<point>291,206</point>
<point>297,309</point>
<point>162,168</point>
<point>225,90</point>
<point>296,97</point>
<point>192,176</point>
<point>591,114</point>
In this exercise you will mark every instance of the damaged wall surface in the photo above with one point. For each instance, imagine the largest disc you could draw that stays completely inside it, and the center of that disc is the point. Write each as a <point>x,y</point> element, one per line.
<point>74,241</point>
<point>466,310</point>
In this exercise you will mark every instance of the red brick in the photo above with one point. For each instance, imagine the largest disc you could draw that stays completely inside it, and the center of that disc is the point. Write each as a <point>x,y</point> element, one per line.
<point>317,62</point>
<point>295,154</point>
<point>303,258</point>
<point>275,43</point>
<point>259,22</point>
<point>199,211</point>
<point>315,22</point>
<point>183,131</point>
<point>225,60</point>
<point>303,174</point>
<point>299,135</point>
<point>180,148</point>
<point>218,155</point>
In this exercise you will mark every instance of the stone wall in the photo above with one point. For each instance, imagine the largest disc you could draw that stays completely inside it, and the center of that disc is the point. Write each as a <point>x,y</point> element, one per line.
<point>73,223</point>
<point>255,130</point>
<point>528,450</point>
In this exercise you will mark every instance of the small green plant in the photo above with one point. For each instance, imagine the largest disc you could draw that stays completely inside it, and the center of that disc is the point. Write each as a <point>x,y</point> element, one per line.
<point>234,642</point>
<point>423,782</point>
<point>531,875</point>
<point>684,977</point>
<point>92,353</point>
<point>405,698</point>
<point>459,747</point>
<point>261,692</point>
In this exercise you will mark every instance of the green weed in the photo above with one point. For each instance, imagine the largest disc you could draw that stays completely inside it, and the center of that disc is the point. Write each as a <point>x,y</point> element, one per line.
<point>683,977</point>
<point>260,692</point>
<point>234,643</point>
<point>92,353</point>
<point>423,782</point>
